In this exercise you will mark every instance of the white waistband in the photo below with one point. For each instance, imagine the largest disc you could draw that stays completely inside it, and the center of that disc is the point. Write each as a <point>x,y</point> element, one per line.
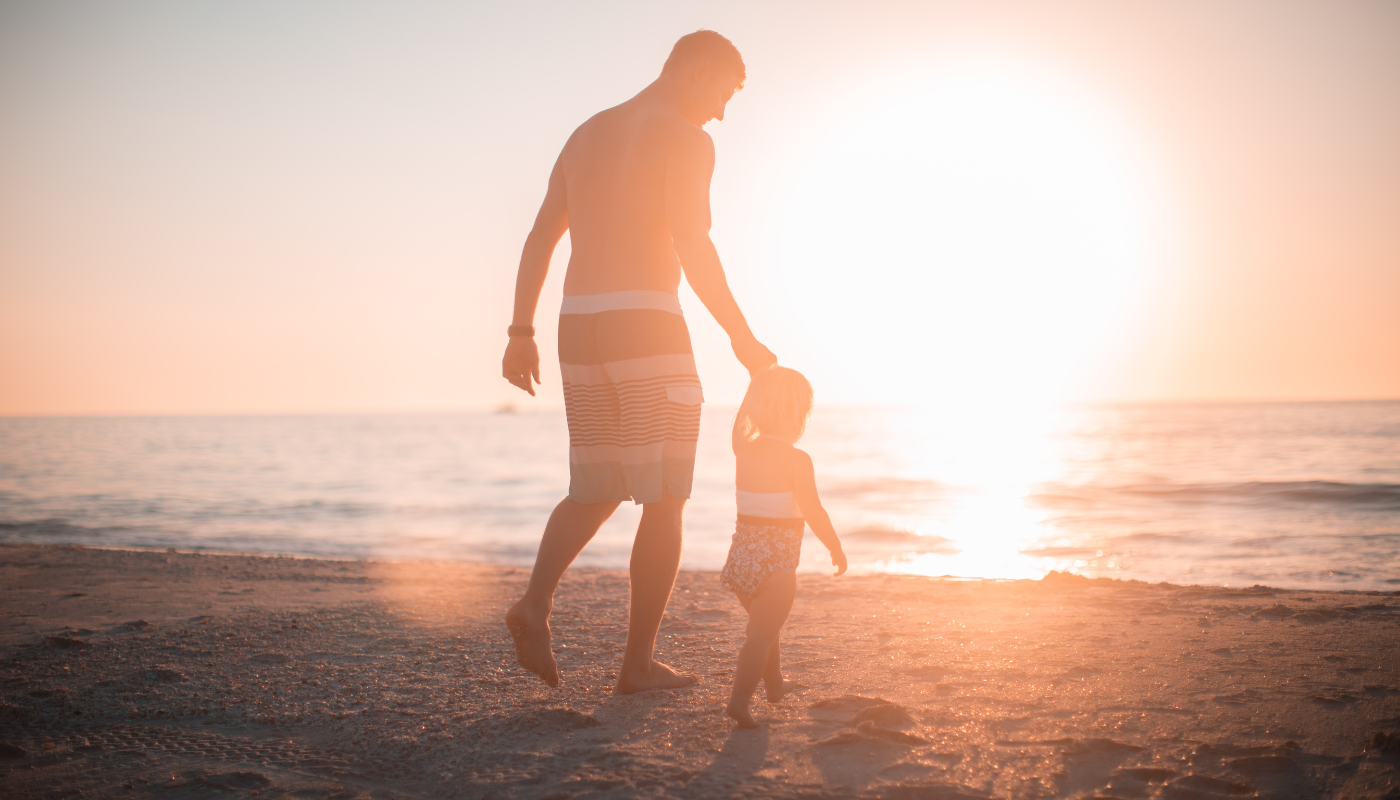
<point>620,301</point>
<point>780,505</point>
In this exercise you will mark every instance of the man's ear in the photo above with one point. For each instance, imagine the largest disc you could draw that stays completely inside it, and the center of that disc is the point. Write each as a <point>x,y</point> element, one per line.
<point>700,70</point>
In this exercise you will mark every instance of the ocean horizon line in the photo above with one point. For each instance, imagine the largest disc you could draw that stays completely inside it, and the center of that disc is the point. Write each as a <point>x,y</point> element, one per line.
<point>514,408</point>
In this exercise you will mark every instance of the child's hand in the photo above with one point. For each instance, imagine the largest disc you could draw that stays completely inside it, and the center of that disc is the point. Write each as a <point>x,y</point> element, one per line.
<point>838,560</point>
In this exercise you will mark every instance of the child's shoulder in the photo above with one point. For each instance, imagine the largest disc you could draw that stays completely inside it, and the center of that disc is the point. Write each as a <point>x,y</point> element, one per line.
<point>800,457</point>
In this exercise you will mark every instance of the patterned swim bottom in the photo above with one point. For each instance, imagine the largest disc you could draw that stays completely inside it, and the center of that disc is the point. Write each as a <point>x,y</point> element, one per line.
<point>632,396</point>
<point>757,552</point>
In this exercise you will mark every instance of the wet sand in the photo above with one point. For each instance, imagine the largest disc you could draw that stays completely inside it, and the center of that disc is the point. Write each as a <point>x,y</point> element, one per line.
<point>153,674</point>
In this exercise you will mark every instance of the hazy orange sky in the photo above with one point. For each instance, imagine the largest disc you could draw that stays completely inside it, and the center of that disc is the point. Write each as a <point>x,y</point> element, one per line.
<point>268,207</point>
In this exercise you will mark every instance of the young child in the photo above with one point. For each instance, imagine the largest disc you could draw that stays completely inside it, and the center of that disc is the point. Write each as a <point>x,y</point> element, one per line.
<point>777,493</point>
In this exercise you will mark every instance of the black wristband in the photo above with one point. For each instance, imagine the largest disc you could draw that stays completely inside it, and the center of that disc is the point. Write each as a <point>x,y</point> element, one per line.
<point>521,330</point>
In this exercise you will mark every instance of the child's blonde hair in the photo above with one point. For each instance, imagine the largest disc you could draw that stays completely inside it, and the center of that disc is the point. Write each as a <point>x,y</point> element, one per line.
<point>778,402</point>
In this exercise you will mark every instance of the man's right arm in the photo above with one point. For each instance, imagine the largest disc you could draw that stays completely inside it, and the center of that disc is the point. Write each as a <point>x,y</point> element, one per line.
<point>688,174</point>
<point>522,359</point>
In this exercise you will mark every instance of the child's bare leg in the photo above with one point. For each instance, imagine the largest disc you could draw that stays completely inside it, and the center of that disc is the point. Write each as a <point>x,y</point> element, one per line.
<point>767,613</point>
<point>777,687</point>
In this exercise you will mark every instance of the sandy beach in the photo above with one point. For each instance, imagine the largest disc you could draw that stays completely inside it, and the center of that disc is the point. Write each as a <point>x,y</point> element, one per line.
<point>137,673</point>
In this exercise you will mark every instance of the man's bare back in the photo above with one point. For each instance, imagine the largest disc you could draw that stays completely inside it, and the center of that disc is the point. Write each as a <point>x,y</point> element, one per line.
<point>614,169</point>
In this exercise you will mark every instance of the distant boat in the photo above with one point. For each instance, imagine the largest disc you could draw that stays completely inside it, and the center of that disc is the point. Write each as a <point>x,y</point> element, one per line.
<point>506,408</point>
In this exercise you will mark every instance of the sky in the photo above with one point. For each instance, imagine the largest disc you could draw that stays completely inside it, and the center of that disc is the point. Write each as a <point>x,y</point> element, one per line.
<point>303,207</point>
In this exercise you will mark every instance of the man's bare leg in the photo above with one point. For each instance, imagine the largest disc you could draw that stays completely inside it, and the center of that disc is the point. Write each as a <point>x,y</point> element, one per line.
<point>656,557</point>
<point>570,527</point>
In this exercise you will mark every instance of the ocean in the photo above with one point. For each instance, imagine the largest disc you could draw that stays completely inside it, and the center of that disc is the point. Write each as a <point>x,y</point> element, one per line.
<point>1292,495</point>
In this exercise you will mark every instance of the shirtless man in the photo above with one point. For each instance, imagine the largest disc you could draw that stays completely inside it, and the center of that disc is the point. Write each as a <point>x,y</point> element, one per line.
<point>633,186</point>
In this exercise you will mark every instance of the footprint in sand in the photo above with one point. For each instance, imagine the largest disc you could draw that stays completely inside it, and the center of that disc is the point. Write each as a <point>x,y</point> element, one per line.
<point>928,673</point>
<point>1205,783</point>
<point>874,731</point>
<point>874,718</point>
<point>1255,766</point>
<point>1386,744</point>
<point>1147,774</point>
<point>233,781</point>
<point>1334,700</point>
<point>850,702</point>
<point>887,715</point>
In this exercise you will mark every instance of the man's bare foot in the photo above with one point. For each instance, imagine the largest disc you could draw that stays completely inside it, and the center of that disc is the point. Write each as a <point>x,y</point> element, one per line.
<point>659,676</point>
<point>786,689</point>
<point>741,715</point>
<point>532,644</point>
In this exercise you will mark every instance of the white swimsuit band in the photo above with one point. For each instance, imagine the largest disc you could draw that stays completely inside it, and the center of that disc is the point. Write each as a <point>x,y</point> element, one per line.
<point>776,505</point>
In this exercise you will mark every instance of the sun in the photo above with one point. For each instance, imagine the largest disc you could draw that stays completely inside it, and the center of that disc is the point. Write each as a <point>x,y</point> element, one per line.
<point>968,232</point>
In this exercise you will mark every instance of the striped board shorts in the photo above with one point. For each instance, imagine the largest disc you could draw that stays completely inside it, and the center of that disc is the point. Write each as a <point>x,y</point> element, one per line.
<point>632,396</point>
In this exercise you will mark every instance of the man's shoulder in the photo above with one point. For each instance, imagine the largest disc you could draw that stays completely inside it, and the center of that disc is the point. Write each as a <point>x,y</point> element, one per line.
<point>655,126</point>
<point>656,121</point>
<point>684,132</point>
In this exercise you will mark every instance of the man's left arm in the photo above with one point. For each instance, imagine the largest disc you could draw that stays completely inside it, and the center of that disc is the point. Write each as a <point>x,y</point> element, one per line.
<point>521,363</point>
<point>688,174</point>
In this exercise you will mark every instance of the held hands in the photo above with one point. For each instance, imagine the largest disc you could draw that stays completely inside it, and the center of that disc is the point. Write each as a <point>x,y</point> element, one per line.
<point>753,355</point>
<point>838,560</point>
<point>521,363</point>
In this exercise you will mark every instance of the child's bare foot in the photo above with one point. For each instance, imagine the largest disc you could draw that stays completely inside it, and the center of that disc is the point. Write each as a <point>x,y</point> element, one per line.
<point>658,676</point>
<point>786,689</point>
<point>741,715</point>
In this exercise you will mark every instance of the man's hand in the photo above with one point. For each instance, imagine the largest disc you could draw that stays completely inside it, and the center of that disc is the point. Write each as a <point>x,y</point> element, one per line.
<point>522,362</point>
<point>753,355</point>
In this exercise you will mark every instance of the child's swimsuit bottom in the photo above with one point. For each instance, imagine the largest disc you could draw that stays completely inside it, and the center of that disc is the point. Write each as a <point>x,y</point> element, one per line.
<point>758,551</point>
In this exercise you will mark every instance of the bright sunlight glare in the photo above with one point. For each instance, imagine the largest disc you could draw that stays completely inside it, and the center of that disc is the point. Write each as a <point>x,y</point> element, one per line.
<point>975,234</point>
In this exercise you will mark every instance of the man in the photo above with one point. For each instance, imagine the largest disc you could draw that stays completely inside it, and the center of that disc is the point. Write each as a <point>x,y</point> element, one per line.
<point>633,186</point>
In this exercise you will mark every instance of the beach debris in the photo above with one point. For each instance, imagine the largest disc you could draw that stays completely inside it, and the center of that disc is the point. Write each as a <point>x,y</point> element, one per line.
<point>137,625</point>
<point>66,643</point>
<point>1205,783</point>
<point>49,746</point>
<point>8,750</point>
<point>1338,699</point>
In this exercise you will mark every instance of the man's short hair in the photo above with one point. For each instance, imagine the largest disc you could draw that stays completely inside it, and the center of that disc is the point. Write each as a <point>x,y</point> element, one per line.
<point>708,45</point>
